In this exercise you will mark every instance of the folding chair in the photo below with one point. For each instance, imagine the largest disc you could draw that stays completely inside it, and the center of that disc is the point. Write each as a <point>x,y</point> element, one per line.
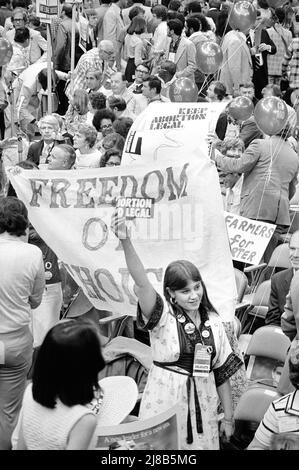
<point>254,315</point>
<point>267,353</point>
<point>249,412</point>
<point>241,284</point>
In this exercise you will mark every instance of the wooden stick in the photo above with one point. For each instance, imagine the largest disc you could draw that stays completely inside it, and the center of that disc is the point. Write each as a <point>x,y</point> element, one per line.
<point>49,68</point>
<point>74,11</point>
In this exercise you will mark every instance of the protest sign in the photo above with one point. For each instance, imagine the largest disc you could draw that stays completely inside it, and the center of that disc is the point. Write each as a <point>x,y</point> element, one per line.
<point>161,432</point>
<point>248,238</point>
<point>72,210</point>
<point>171,130</point>
<point>46,10</point>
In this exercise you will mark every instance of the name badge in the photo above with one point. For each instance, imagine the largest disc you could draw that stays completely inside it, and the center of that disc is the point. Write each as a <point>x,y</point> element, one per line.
<point>2,353</point>
<point>202,360</point>
<point>171,56</point>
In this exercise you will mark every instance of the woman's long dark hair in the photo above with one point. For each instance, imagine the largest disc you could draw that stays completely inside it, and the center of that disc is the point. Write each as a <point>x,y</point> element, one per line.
<point>177,275</point>
<point>68,364</point>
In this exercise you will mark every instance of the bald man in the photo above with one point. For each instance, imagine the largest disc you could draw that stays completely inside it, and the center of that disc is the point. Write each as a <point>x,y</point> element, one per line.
<point>101,58</point>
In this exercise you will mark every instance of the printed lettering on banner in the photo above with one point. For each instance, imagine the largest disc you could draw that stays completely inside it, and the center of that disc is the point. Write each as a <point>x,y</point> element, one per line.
<point>72,211</point>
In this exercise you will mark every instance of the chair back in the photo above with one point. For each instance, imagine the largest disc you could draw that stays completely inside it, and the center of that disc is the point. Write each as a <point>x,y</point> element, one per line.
<point>254,403</point>
<point>241,284</point>
<point>269,341</point>
<point>280,257</point>
<point>262,295</point>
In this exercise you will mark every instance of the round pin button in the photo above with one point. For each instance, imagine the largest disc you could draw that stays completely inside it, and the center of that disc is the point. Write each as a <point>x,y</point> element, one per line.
<point>181,318</point>
<point>205,333</point>
<point>207,323</point>
<point>189,328</point>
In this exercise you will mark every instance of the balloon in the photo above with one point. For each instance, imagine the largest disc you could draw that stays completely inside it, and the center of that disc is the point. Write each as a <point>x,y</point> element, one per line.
<point>243,16</point>
<point>271,115</point>
<point>5,51</point>
<point>183,90</point>
<point>241,108</point>
<point>209,55</point>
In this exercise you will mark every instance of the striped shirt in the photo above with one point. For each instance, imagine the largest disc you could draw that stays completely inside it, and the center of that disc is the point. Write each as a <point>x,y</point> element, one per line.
<point>281,416</point>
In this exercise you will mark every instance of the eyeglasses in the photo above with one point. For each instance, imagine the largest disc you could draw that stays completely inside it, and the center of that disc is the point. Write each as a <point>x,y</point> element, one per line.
<point>15,20</point>
<point>112,164</point>
<point>141,71</point>
<point>106,126</point>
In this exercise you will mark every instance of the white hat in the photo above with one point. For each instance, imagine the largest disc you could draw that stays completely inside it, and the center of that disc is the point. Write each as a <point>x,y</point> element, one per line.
<point>120,394</point>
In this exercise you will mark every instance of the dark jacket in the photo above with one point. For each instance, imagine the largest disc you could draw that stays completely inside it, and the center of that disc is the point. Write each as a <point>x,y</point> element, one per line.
<point>280,286</point>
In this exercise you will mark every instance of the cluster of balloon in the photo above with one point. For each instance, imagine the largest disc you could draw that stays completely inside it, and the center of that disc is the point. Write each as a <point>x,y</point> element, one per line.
<point>183,90</point>
<point>5,51</point>
<point>243,16</point>
<point>271,115</point>
<point>241,108</point>
<point>209,56</point>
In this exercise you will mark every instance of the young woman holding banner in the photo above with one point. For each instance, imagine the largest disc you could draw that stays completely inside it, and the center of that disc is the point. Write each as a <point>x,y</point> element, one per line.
<point>188,342</point>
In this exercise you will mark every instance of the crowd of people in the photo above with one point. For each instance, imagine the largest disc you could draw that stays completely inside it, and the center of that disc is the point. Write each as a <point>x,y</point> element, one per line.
<point>127,56</point>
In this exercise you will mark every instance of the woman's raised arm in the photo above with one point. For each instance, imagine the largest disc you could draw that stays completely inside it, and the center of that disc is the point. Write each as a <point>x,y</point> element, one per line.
<point>145,292</point>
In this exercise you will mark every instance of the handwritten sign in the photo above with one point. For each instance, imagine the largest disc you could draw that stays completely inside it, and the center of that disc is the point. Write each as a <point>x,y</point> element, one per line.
<point>248,238</point>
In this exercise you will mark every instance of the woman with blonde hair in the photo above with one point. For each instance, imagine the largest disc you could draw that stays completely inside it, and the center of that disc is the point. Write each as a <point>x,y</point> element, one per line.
<point>77,111</point>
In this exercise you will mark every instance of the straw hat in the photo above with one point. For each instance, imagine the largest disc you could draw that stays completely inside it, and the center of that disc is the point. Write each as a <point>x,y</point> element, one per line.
<point>118,398</point>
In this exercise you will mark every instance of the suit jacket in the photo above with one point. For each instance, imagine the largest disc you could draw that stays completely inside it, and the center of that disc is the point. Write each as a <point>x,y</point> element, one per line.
<point>280,286</point>
<point>185,58</point>
<point>37,45</point>
<point>36,148</point>
<point>267,185</point>
<point>63,46</point>
<point>35,151</point>
<point>237,63</point>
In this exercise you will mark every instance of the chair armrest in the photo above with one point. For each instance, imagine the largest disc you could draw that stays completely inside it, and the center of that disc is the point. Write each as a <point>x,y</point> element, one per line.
<point>111,318</point>
<point>254,267</point>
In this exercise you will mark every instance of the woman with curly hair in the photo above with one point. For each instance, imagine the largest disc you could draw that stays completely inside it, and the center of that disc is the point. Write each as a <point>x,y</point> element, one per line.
<point>87,155</point>
<point>22,282</point>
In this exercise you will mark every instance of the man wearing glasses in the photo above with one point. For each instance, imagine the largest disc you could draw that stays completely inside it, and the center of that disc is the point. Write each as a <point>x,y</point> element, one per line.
<point>142,72</point>
<point>37,44</point>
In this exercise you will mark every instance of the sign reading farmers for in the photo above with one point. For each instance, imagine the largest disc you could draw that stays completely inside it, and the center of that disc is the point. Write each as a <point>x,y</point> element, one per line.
<point>248,238</point>
<point>171,130</point>
<point>161,432</point>
<point>71,210</point>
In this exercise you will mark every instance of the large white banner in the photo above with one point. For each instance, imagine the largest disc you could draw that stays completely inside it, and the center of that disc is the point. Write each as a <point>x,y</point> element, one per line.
<point>72,209</point>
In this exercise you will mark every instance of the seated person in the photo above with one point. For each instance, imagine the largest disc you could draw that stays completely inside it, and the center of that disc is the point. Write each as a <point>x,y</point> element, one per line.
<point>282,412</point>
<point>111,158</point>
<point>39,151</point>
<point>280,284</point>
<point>87,155</point>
